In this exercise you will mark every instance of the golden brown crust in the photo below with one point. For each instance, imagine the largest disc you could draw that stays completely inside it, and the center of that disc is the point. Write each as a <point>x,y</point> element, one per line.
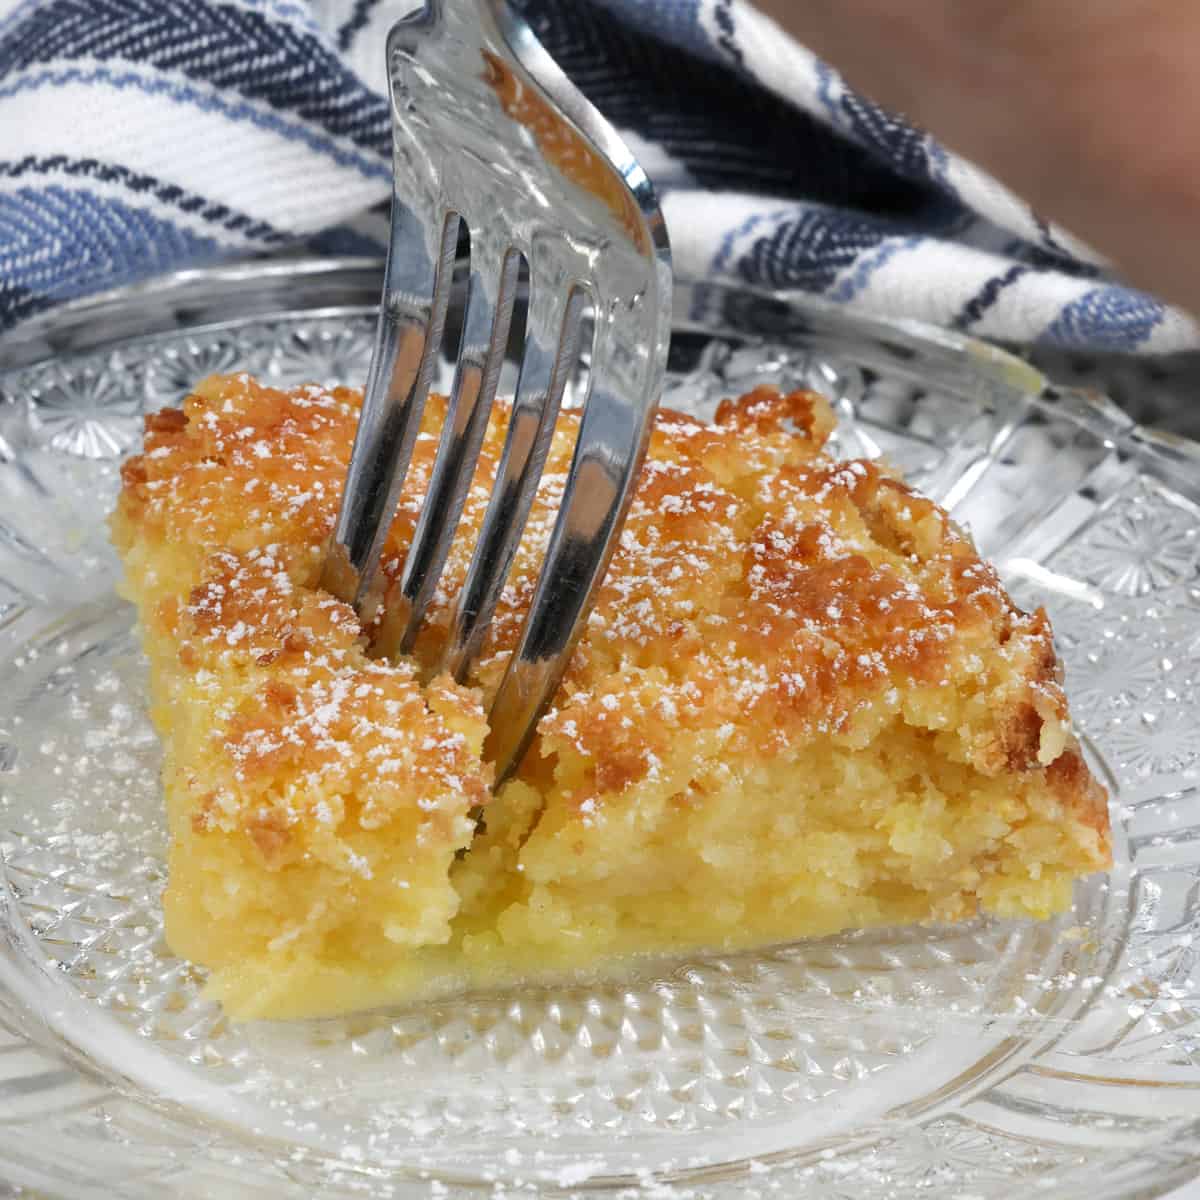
<point>316,708</point>
<point>772,589</point>
<point>233,497</point>
<point>766,410</point>
<point>1078,790</point>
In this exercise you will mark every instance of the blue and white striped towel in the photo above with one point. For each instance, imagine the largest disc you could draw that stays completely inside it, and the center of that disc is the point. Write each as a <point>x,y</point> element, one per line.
<point>141,136</point>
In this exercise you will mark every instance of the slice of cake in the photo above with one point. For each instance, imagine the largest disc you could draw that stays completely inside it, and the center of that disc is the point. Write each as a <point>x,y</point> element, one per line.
<point>802,704</point>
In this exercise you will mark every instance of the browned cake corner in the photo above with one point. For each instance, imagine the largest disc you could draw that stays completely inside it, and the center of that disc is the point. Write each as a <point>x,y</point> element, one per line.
<point>802,703</point>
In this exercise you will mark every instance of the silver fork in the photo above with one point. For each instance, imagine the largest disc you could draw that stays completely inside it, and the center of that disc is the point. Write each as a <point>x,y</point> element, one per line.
<point>487,131</point>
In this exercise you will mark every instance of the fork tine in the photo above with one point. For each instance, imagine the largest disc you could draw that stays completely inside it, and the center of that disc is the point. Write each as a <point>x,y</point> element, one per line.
<point>532,161</point>
<point>490,299</point>
<point>551,351</point>
<point>412,319</point>
<point>612,439</point>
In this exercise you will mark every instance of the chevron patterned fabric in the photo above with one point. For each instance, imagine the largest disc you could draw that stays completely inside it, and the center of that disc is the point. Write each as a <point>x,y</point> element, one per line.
<point>143,136</point>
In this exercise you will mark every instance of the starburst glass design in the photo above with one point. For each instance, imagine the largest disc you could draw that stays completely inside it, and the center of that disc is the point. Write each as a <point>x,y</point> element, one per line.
<point>172,373</point>
<point>1110,672</point>
<point>1177,619</point>
<point>1146,542</point>
<point>1158,738</point>
<point>327,353</point>
<point>86,410</point>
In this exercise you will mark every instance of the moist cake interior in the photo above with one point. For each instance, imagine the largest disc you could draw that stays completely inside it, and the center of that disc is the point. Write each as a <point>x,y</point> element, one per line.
<point>802,704</point>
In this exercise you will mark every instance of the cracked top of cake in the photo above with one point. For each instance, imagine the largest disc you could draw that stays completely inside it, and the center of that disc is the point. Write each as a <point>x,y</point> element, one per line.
<point>763,594</point>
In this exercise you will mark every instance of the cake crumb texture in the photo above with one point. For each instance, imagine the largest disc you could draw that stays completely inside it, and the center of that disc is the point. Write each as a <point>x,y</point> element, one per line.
<point>802,704</point>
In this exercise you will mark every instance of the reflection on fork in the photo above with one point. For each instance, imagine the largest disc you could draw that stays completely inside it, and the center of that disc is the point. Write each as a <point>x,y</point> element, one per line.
<point>489,134</point>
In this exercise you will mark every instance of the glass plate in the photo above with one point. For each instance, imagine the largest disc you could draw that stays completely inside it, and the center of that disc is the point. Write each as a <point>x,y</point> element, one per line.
<point>987,1060</point>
